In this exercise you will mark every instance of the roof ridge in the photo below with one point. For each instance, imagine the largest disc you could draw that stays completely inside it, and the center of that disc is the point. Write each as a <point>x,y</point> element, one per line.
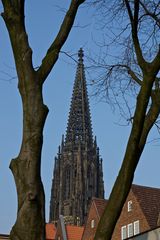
<point>143,186</point>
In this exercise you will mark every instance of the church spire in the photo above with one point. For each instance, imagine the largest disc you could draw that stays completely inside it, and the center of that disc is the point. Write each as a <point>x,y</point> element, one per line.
<point>78,172</point>
<point>79,121</point>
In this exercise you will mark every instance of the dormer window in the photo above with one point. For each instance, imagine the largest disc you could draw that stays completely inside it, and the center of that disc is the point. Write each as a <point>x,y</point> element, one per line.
<point>130,206</point>
<point>92,223</point>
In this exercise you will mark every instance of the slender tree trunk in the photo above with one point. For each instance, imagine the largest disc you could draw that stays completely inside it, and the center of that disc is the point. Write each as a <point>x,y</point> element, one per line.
<point>26,167</point>
<point>132,155</point>
<point>30,223</point>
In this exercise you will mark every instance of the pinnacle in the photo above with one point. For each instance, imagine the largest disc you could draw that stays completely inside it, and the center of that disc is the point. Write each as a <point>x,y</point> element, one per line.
<point>80,55</point>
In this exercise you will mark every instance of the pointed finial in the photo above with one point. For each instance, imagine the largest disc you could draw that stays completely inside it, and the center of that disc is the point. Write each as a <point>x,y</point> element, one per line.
<point>62,143</point>
<point>95,141</point>
<point>59,149</point>
<point>80,55</point>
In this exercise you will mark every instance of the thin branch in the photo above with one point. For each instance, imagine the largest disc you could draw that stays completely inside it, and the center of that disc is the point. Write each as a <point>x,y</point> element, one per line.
<point>53,52</point>
<point>149,13</point>
<point>150,119</point>
<point>70,56</point>
<point>133,75</point>
<point>134,23</point>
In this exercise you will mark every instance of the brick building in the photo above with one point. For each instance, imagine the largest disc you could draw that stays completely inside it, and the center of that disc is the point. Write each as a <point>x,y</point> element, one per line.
<point>139,214</point>
<point>95,212</point>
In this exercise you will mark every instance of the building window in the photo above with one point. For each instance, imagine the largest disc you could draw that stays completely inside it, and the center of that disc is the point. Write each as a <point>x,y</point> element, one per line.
<point>130,229</point>
<point>130,206</point>
<point>92,223</point>
<point>136,227</point>
<point>123,232</point>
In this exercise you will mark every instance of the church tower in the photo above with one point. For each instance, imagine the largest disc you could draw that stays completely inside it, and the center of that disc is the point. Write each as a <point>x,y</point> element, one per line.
<point>78,174</point>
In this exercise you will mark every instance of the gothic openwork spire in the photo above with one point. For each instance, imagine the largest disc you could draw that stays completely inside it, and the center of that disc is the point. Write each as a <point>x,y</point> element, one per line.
<point>79,121</point>
<point>77,175</point>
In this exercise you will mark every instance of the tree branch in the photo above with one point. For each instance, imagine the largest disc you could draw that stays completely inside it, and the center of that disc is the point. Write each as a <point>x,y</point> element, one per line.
<point>17,6</point>
<point>129,70</point>
<point>151,117</point>
<point>134,26</point>
<point>135,78</point>
<point>149,13</point>
<point>52,54</point>
<point>6,4</point>
<point>14,19</point>
<point>129,11</point>
<point>155,64</point>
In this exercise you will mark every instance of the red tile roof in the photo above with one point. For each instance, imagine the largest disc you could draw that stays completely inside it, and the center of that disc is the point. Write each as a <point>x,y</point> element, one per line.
<point>74,232</point>
<point>50,231</point>
<point>149,200</point>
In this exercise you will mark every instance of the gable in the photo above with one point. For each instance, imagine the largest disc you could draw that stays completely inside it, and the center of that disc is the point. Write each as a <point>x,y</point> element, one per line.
<point>129,216</point>
<point>95,212</point>
<point>149,201</point>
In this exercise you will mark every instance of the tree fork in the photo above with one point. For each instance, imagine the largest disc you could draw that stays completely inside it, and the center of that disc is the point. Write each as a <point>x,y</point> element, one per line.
<point>30,223</point>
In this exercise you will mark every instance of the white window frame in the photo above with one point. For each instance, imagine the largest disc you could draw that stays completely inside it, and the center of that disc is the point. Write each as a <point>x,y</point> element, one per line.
<point>130,206</point>
<point>92,223</point>
<point>123,232</point>
<point>130,229</point>
<point>136,227</point>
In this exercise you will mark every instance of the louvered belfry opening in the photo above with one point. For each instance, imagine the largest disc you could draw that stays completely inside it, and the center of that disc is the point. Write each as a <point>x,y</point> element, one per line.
<point>77,175</point>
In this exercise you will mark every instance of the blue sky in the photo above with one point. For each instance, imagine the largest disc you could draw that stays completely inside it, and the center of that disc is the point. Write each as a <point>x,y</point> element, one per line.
<point>42,22</point>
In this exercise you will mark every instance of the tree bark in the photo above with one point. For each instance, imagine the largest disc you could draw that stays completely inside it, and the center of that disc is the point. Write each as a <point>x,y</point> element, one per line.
<point>30,223</point>
<point>145,116</point>
<point>26,168</point>
<point>125,177</point>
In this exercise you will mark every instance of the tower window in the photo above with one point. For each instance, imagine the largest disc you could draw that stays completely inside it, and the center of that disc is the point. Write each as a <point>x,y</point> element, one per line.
<point>130,206</point>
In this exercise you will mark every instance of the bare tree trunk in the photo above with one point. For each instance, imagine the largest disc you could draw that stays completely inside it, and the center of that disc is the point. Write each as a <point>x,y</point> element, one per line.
<point>30,223</point>
<point>142,123</point>
<point>26,168</point>
<point>125,177</point>
<point>146,113</point>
